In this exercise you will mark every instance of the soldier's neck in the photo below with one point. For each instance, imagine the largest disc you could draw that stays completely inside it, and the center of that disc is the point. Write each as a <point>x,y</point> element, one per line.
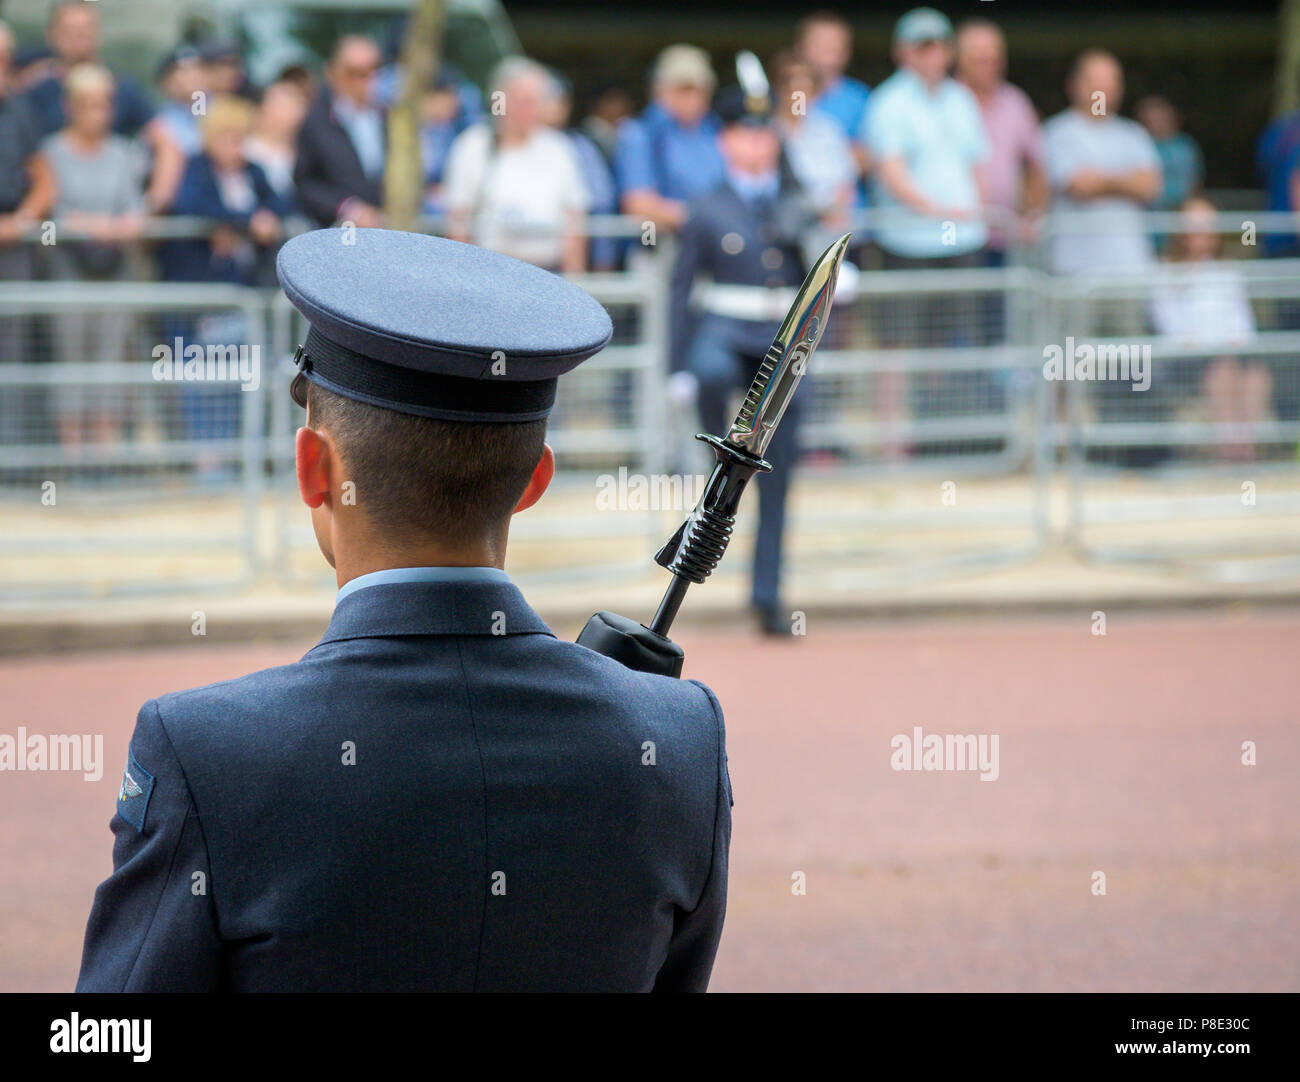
<point>352,563</point>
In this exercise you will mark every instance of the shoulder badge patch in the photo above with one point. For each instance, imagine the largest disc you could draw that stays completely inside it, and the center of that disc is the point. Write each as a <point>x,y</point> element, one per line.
<point>133,796</point>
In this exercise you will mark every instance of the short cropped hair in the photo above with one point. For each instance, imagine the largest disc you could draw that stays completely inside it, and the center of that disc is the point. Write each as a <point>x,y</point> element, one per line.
<point>422,478</point>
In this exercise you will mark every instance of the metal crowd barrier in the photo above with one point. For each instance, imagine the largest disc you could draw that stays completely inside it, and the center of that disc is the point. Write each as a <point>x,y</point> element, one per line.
<point>100,449</point>
<point>923,402</point>
<point>1200,471</point>
<point>934,437</point>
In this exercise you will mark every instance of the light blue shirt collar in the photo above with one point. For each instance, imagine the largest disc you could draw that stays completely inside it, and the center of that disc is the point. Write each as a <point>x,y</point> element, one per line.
<point>365,127</point>
<point>919,86</point>
<point>656,114</point>
<point>422,574</point>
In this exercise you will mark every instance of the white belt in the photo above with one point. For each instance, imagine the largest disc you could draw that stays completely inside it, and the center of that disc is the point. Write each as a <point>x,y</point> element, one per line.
<point>762,303</point>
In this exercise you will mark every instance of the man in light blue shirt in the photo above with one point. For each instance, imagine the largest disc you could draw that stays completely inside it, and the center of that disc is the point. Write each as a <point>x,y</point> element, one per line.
<point>925,132</point>
<point>825,43</point>
<point>926,137</point>
<point>669,154</point>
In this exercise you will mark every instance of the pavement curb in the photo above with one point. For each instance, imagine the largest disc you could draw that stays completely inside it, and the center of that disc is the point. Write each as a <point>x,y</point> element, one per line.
<point>75,633</point>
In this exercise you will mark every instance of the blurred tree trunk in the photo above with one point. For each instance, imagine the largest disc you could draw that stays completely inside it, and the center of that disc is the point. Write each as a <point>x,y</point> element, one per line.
<point>403,171</point>
<point>1286,92</point>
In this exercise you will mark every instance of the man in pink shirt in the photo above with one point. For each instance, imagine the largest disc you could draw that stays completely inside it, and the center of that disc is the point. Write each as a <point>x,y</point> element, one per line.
<point>1014,177</point>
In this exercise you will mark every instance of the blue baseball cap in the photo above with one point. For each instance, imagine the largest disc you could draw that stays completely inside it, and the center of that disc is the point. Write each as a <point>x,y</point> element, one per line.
<point>922,24</point>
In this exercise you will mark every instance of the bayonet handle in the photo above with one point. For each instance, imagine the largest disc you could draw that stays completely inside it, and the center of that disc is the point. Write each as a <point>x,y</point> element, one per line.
<point>698,545</point>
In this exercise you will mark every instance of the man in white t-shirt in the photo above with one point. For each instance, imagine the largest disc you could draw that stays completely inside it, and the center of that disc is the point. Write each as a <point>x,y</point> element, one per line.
<point>513,183</point>
<point>1104,172</point>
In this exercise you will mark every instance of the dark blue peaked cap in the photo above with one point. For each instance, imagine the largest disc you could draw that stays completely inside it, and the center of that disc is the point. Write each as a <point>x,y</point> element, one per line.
<point>434,327</point>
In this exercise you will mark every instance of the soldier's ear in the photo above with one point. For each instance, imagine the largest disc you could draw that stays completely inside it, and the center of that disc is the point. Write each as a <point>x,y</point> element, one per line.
<point>313,452</point>
<point>540,480</point>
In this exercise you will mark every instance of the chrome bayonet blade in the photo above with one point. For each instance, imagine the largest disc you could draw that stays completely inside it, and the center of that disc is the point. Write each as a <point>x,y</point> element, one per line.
<point>787,359</point>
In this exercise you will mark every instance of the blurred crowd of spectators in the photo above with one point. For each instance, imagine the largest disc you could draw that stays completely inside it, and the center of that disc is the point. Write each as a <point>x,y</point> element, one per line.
<point>509,167</point>
<point>954,154</point>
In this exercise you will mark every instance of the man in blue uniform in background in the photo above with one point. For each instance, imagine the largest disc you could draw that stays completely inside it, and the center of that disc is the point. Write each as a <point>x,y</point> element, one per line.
<point>441,795</point>
<point>738,267</point>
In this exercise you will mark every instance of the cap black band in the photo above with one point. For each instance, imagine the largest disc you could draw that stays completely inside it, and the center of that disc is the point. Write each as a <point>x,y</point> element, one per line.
<point>426,394</point>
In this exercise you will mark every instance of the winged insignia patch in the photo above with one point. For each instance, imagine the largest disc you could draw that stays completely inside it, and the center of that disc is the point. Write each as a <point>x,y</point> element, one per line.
<point>133,796</point>
<point>129,787</point>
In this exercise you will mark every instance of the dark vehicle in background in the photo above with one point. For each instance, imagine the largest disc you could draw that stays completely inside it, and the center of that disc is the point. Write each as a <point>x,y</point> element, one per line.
<point>276,34</point>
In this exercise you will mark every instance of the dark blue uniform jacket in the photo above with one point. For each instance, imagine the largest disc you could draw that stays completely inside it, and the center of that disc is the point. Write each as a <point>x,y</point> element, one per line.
<point>439,795</point>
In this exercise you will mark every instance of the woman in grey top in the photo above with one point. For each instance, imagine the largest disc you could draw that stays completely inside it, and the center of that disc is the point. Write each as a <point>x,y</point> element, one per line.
<point>99,182</point>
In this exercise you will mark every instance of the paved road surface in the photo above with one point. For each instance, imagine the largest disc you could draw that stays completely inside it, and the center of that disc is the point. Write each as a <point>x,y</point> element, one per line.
<point>1118,754</point>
